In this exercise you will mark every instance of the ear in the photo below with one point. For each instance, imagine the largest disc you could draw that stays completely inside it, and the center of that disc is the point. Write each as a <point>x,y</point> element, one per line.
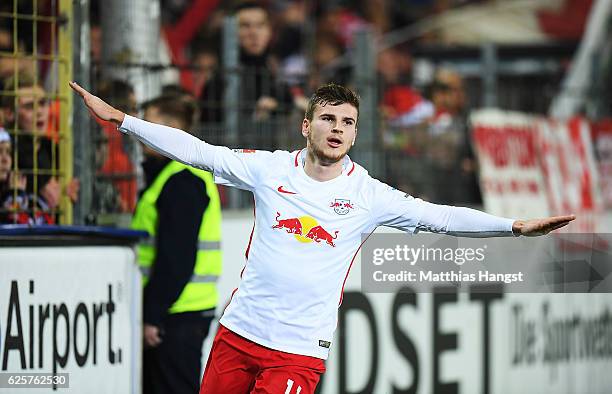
<point>305,127</point>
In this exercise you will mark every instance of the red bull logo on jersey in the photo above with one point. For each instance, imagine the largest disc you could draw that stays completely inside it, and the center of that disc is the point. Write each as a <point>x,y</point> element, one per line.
<point>292,225</point>
<point>305,229</point>
<point>341,206</point>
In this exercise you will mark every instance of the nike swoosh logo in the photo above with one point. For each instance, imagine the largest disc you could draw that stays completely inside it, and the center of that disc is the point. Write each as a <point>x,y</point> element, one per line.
<point>281,190</point>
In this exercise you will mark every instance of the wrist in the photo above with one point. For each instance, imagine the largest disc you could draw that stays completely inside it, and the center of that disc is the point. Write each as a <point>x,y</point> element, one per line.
<point>517,227</point>
<point>117,117</point>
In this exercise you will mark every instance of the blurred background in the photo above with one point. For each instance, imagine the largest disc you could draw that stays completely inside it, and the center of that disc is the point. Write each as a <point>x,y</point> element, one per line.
<point>426,71</point>
<point>501,105</point>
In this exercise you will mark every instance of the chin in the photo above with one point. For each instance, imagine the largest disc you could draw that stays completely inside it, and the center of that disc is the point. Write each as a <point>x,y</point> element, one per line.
<point>332,155</point>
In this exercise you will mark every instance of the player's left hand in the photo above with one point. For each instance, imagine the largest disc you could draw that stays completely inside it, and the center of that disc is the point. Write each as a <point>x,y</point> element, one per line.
<point>535,227</point>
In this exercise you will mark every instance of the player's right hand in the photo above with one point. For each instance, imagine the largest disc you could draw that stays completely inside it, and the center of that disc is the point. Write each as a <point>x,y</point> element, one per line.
<point>98,107</point>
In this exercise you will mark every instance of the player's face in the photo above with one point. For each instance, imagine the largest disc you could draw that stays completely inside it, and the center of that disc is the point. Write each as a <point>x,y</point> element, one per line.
<point>332,131</point>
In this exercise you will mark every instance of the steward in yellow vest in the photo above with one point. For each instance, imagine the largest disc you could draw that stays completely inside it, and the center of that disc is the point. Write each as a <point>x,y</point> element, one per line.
<point>200,292</point>
<point>181,260</point>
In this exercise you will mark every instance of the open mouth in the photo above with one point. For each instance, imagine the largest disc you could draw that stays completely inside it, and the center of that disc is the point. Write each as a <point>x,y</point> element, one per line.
<point>334,142</point>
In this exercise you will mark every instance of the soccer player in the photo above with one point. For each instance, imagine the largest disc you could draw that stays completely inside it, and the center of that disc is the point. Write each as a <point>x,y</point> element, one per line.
<point>312,205</point>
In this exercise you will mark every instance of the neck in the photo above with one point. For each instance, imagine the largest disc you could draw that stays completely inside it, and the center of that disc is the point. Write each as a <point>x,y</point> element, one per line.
<point>320,170</point>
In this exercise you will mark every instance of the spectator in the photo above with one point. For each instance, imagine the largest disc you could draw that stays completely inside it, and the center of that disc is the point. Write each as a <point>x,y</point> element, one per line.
<point>7,60</point>
<point>450,149</point>
<point>180,209</point>
<point>206,61</point>
<point>261,94</point>
<point>5,155</point>
<point>405,114</point>
<point>179,33</point>
<point>342,21</point>
<point>16,205</point>
<point>7,63</point>
<point>292,20</point>
<point>6,161</point>
<point>448,94</point>
<point>122,158</point>
<point>176,90</point>
<point>37,154</point>
<point>402,104</point>
<point>107,200</point>
<point>328,63</point>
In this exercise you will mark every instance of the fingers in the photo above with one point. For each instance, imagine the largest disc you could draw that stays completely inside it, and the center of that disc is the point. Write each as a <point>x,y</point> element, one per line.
<point>565,218</point>
<point>77,88</point>
<point>557,220</point>
<point>558,226</point>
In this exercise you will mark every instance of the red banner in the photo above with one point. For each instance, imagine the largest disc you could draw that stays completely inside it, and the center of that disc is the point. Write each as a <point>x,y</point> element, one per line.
<point>533,167</point>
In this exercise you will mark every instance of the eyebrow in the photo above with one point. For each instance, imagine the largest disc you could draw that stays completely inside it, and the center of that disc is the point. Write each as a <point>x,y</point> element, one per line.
<point>332,115</point>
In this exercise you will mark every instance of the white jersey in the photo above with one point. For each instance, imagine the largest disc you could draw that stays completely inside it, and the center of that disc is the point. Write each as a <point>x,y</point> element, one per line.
<point>306,234</point>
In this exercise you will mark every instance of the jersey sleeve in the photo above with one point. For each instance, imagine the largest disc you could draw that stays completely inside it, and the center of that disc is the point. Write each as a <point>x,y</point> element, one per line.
<point>394,208</point>
<point>240,168</point>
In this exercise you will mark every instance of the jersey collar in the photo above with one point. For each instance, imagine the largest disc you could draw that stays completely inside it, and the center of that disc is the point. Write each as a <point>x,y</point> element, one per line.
<point>348,165</point>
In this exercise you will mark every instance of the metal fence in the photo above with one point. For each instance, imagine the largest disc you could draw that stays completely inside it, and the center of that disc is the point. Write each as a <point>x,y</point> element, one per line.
<point>36,182</point>
<point>429,151</point>
<point>424,150</point>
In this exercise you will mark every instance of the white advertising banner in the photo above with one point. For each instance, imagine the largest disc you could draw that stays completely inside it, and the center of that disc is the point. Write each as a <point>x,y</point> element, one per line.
<point>73,310</point>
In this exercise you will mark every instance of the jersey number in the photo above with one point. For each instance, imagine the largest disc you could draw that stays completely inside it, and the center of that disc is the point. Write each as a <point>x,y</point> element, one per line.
<point>290,386</point>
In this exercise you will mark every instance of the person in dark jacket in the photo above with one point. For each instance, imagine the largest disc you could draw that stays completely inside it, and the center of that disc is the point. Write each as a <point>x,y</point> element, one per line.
<point>262,96</point>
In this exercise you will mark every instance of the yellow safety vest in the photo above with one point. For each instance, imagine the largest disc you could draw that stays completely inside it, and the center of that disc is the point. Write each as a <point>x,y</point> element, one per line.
<point>201,291</point>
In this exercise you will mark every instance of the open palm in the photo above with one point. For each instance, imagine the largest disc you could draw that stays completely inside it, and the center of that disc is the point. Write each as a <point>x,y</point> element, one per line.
<point>98,107</point>
<point>535,227</point>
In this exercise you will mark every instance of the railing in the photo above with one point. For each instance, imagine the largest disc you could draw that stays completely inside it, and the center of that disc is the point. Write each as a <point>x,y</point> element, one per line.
<point>430,157</point>
<point>37,104</point>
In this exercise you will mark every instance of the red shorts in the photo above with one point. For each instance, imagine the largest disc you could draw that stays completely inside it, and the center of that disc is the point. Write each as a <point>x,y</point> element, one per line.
<point>239,366</point>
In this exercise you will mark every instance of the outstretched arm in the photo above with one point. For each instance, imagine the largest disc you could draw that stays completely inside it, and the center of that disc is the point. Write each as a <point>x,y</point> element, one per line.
<point>173,143</point>
<point>394,208</point>
<point>240,170</point>
<point>469,222</point>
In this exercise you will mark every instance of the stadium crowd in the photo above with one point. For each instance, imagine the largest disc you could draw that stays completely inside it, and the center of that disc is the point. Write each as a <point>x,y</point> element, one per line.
<point>287,49</point>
